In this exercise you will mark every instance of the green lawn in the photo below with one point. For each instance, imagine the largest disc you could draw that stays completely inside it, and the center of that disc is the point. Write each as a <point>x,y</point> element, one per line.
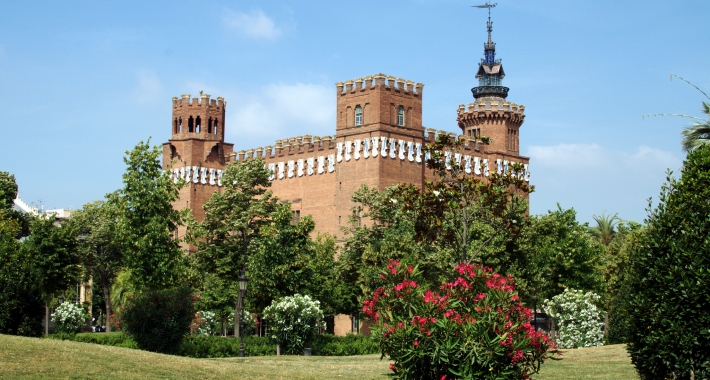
<point>31,358</point>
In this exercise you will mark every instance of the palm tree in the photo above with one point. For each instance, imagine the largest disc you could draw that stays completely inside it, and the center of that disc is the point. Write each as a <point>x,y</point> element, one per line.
<point>698,133</point>
<point>605,229</point>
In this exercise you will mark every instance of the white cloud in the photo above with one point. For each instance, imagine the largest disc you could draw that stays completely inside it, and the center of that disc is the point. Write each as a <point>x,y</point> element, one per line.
<point>283,110</point>
<point>149,89</point>
<point>256,24</point>
<point>592,178</point>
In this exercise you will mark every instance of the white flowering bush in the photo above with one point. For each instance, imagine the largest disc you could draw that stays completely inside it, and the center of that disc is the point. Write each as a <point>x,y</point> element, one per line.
<point>204,323</point>
<point>578,320</point>
<point>69,318</point>
<point>293,321</point>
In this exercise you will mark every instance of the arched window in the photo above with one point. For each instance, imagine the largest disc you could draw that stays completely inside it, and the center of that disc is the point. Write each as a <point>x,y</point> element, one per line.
<point>197,126</point>
<point>190,124</point>
<point>180,125</point>
<point>175,127</point>
<point>358,115</point>
<point>400,116</point>
<point>216,126</point>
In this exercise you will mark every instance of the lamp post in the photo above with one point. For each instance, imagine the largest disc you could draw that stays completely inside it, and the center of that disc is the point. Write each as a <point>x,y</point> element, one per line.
<point>242,289</point>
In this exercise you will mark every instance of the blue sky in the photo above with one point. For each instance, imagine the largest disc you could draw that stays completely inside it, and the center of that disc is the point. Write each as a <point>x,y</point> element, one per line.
<point>85,81</point>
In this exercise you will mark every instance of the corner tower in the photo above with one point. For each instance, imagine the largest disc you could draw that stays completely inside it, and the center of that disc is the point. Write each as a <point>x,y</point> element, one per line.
<point>196,151</point>
<point>491,115</point>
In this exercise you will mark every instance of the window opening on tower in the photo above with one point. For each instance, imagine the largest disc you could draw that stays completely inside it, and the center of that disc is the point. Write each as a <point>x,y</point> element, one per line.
<point>400,116</point>
<point>190,124</point>
<point>358,116</point>
<point>216,123</point>
<point>197,125</point>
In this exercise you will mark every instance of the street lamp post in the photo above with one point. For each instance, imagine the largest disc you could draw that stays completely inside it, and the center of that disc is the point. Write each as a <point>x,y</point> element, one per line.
<point>242,289</point>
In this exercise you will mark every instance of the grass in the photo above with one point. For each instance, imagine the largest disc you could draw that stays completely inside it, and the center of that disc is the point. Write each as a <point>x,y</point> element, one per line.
<point>32,358</point>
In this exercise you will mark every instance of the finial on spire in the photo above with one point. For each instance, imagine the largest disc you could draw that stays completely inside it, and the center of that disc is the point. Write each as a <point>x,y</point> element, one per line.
<point>489,47</point>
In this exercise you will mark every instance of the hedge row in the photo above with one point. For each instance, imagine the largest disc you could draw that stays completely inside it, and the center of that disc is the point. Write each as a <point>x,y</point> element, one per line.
<point>219,347</point>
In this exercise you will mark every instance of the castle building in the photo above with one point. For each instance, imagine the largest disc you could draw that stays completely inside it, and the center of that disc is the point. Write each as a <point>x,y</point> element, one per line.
<point>378,141</point>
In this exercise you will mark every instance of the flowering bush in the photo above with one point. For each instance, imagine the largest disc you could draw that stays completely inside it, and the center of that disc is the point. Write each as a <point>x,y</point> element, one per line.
<point>293,321</point>
<point>69,318</point>
<point>577,319</point>
<point>473,327</point>
<point>204,323</point>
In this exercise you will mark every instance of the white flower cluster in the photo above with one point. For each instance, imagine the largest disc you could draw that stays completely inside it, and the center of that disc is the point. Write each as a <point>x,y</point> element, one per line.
<point>294,319</point>
<point>69,318</point>
<point>578,320</point>
<point>205,323</point>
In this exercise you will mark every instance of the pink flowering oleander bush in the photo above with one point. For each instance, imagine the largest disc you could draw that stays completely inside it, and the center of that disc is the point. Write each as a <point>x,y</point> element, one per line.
<point>473,327</point>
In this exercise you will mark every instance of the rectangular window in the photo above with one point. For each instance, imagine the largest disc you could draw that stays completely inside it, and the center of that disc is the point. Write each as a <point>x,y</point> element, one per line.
<point>356,325</point>
<point>296,216</point>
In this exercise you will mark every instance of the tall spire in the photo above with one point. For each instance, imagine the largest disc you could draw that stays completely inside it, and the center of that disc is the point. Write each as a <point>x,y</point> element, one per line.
<point>490,71</point>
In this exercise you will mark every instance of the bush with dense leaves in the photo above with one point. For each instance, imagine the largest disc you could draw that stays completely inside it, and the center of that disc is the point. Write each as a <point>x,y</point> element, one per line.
<point>293,321</point>
<point>577,319</point>
<point>69,318</point>
<point>158,320</point>
<point>116,339</point>
<point>669,279</point>
<point>473,327</point>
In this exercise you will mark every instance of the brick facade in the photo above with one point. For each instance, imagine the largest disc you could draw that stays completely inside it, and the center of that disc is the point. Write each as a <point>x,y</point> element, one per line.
<point>378,141</point>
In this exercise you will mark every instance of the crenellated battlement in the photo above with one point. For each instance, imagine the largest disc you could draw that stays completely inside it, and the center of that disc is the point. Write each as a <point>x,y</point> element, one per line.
<point>380,81</point>
<point>201,117</point>
<point>202,101</point>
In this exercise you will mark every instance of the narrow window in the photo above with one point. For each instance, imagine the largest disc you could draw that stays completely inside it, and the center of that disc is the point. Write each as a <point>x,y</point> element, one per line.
<point>296,217</point>
<point>190,122</point>
<point>400,116</point>
<point>209,126</point>
<point>216,122</point>
<point>356,325</point>
<point>180,125</point>
<point>197,126</point>
<point>358,116</point>
<point>175,126</point>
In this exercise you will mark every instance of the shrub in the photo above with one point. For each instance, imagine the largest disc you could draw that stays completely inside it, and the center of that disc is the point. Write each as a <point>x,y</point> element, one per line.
<point>222,347</point>
<point>204,323</point>
<point>669,279</point>
<point>577,319</point>
<point>293,321</point>
<point>473,327</point>
<point>331,345</point>
<point>116,339</point>
<point>69,318</point>
<point>158,320</point>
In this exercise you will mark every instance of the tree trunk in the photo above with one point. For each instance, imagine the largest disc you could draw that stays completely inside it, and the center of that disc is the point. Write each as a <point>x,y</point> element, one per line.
<point>46,319</point>
<point>107,299</point>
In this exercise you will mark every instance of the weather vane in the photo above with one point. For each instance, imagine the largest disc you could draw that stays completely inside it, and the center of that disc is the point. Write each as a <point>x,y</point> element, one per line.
<point>484,6</point>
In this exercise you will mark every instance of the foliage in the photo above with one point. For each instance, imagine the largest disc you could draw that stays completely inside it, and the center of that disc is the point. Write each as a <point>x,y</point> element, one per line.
<point>116,339</point>
<point>100,245</point>
<point>148,220</point>
<point>668,282</point>
<point>351,344</point>
<point>473,327</point>
<point>228,234</point>
<point>204,323</point>
<point>293,321</point>
<point>698,133</point>
<point>21,305</point>
<point>558,254</point>
<point>287,261</point>
<point>69,318</point>
<point>52,247</point>
<point>452,209</point>
<point>605,229</point>
<point>200,346</point>
<point>577,318</point>
<point>159,319</point>
<point>8,190</point>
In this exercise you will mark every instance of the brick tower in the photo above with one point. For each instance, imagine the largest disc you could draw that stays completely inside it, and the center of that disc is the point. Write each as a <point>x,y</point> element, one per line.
<point>196,150</point>
<point>491,115</point>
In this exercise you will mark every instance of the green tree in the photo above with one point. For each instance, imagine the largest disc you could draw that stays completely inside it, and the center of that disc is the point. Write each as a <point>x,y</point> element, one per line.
<point>233,221</point>
<point>288,261</point>
<point>100,245</point>
<point>605,229</point>
<point>8,190</point>
<point>21,303</point>
<point>698,133</point>
<point>55,260</point>
<point>668,282</point>
<point>147,220</point>
<point>560,254</point>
